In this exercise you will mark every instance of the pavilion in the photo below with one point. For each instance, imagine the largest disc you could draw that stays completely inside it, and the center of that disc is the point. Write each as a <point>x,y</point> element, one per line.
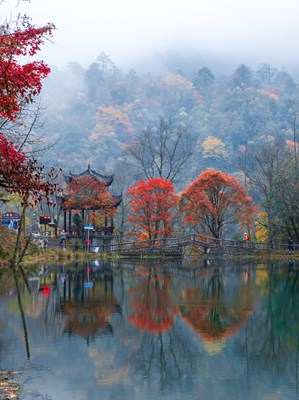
<point>83,206</point>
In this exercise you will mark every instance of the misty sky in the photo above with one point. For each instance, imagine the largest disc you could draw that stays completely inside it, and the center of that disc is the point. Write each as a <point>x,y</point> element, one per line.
<point>131,31</point>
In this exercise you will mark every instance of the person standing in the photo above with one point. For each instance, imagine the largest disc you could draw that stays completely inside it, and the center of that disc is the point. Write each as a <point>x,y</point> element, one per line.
<point>62,239</point>
<point>290,245</point>
<point>88,244</point>
<point>246,237</point>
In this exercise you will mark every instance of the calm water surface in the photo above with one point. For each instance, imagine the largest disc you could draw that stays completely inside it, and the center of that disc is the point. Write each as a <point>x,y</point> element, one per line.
<point>143,331</point>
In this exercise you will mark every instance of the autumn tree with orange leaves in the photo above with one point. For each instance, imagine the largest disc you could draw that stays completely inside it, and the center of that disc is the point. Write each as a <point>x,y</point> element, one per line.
<point>214,201</point>
<point>153,208</point>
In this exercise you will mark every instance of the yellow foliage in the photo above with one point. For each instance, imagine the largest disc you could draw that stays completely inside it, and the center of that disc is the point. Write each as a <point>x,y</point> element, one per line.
<point>262,232</point>
<point>213,147</point>
<point>179,82</point>
<point>101,132</point>
<point>109,120</point>
<point>112,116</point>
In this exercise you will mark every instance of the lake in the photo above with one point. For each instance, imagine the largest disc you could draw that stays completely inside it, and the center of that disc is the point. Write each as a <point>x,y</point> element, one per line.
<point>149,330</point>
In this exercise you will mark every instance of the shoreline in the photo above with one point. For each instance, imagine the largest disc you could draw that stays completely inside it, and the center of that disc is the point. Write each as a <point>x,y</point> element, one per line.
<point>9,386</point>
<point>69,256</point>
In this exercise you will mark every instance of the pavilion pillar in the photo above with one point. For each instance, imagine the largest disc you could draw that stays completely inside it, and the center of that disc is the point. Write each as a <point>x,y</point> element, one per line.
<point>106,225</point>
<point>83,222</point>
<point>64,220</point>
<point>70,221</point>
<point>112,226</point>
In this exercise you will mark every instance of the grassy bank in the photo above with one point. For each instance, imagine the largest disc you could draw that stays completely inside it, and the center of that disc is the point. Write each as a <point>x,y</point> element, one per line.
<point>57,255</point>
<point>36,254</point>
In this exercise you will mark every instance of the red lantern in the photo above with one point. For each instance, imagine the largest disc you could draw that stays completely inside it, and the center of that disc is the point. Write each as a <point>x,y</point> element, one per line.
<point>46,290</point>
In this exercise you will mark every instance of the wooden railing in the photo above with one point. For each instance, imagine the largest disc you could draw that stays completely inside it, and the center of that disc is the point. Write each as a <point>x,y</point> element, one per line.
<point>208,244</point>
<point>175,246</point>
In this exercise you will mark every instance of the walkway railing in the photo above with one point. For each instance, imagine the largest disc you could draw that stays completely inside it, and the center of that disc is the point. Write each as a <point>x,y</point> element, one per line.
<point>175,246</point>
<point>208,244</point>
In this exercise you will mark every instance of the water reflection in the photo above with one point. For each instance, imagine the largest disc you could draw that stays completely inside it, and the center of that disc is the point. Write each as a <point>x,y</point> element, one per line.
<point>273,334</point>
<point>142,330</point>
<point>215,307</point>
<point>153,301</point>
<point>87,301</point>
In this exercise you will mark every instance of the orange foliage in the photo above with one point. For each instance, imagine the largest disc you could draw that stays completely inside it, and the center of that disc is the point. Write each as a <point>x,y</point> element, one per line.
<point>88,193</point>
<point>109,121</point>
<point>292,145</point>
<point>214,200</point>
<point>153,207</point>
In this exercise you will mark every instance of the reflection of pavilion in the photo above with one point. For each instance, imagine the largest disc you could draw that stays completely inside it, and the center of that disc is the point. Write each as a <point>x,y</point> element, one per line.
<point>88,310</point>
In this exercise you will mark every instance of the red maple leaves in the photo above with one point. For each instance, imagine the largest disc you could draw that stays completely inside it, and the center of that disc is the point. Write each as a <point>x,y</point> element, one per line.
<point>19,83</point>
<point>153,208</point>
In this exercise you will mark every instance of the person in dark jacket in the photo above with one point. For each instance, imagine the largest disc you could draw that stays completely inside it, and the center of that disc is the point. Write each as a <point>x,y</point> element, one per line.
<point>290,245</point>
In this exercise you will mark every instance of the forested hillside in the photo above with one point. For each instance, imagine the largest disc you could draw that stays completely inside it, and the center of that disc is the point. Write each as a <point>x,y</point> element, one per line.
<point>176,125</point>
<point>98,114</point>
<point>173,126</point>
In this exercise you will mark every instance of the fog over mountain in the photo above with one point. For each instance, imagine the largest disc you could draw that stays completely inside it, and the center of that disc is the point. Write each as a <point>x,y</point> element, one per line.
<point>215,87</point>
<point>142,34</point>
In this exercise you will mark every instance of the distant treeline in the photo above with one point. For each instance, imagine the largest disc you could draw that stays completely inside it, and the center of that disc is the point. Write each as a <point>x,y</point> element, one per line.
<point>244,123</point>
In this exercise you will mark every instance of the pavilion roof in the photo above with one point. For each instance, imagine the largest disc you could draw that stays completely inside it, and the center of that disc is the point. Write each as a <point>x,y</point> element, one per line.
<point>106,179</point>
<point>117,200</point>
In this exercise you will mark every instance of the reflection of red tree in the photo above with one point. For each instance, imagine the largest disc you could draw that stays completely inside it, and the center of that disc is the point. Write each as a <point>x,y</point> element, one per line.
<point>211,317</point>
<point>153,305</point>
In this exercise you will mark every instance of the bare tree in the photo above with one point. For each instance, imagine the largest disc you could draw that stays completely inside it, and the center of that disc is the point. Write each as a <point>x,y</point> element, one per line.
<point>265,170</point>
<point>26,132</point>
<point>265,72</point>
<point>123,178</point>
<point>162,149</point>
